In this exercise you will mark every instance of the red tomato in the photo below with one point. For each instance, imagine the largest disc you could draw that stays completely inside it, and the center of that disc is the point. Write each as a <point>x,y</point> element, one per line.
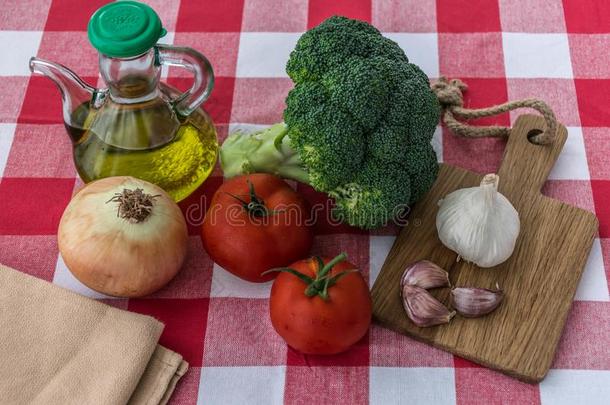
<point>312,324</point>
<point>271,232</point>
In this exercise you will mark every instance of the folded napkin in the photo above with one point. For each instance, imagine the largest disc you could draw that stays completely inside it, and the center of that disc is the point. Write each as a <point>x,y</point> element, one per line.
<point>57,347</point>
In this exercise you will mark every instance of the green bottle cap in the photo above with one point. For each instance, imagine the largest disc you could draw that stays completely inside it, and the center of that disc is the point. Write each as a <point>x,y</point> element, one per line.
<point>124,29</point>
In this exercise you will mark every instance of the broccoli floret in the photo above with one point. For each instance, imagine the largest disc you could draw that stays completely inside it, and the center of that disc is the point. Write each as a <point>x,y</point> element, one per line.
<point>422,168</point>
<point>375,195</point>
<point>328,45</point>
<point>360,87</point>
<point>358,124</point>
<point>330,144</point>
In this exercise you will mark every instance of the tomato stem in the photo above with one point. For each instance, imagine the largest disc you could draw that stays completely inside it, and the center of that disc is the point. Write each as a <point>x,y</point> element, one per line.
<point>256,207</point>
<point>323,281</point>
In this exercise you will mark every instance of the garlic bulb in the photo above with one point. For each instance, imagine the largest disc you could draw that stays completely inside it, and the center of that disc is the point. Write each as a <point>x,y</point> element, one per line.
<point>479,223</point>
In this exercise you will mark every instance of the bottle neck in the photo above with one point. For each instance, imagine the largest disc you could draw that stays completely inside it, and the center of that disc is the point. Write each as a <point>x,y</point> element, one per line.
<point>131,80</point>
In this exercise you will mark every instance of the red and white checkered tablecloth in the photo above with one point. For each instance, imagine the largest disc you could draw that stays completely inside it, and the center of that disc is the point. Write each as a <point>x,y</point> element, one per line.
<point>503,49</point>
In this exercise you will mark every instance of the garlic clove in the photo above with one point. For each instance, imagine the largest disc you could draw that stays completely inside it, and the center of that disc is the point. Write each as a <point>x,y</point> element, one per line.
<point>473,302</point>
<point>422,308</point>
<point>426,275</point>
<point>479,223</point>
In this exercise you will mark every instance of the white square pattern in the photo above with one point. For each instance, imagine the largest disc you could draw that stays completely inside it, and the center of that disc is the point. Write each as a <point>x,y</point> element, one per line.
<point>537,55</point>
<point>421,49</point>
<point>413,386</point>
<point>572,162</point>
<point>242,385</point>
<point>593,284</point>
<point>64,278</point>
<point>246,128</point>
<point>225,284</point>
<point>168,39</point>
<point>16,48</point>
<point>437,143</point>
<point>7,133</point>
<point>255,60</point>
<point>575,387</point>
<point>264,54</point>
<point>379,247</point>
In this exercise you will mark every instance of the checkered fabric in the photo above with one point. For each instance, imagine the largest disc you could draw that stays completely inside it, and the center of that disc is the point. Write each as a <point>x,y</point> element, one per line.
<point>503,49</point>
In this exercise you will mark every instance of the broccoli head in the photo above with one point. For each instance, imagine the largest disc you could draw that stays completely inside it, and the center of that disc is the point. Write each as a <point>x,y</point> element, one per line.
<point>357,124</point>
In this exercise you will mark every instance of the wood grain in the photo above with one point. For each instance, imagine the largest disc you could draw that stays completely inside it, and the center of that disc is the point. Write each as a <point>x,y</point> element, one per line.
<point>539,279</point>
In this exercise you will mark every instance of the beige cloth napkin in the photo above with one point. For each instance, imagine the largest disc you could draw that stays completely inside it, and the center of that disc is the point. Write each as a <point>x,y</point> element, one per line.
<point>58,347</point>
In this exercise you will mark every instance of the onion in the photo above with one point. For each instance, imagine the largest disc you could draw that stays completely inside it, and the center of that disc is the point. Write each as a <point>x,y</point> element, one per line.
<point>123,236</point>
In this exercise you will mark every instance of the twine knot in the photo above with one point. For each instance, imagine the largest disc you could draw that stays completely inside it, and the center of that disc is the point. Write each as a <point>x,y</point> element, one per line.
<point>449,94</point>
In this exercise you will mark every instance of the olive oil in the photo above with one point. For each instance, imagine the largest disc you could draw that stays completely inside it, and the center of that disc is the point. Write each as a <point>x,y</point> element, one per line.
<point>143,143</point>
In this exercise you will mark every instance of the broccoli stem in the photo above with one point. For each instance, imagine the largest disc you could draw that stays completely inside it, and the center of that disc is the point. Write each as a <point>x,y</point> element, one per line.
<point>266,151</point>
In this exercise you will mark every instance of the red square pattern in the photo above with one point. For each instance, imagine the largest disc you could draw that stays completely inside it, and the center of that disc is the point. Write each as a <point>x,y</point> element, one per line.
<point>71,15</point>
<point>33,206</point>
<point>593,96</point>
<point>42,104</point>
<point>247,105</point>
<point>573,192</point>
<point>390,349</point>
<point>583,343</point>
<point>587,16</point>
<point>355,356</point>
<point>320,10</point>
<point>327,385</point>
<point>457,58</point>
<point>486,92</point>
<point>187,388</point>
<point>194,279</point>
<point>589,54</point>
<point>459,151</point>
<point>34,255</point>
<point>24,15</point>
<point>541,16</point>
<point>559,94</point>
<point>275,16</point>
<point>356,246</point>
<point>468,16</point>
<point>210,16</point>
<point>220,48</point>
<point>40,151</point>
<point>54,46</point>
<point>459,362</point>
<point>482,92</point>
<point>404,15</point>
<point>601,197</point>
<point>480,386</point>
<point>597,145</point>
<point>196,205</point>
<point>240,334</point>
<point>219,103</point>
<point>12,90</point>
<point>185,324</point>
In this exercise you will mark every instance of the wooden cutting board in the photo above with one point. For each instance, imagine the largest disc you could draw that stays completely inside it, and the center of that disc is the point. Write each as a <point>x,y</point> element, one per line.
<point>539,279</point>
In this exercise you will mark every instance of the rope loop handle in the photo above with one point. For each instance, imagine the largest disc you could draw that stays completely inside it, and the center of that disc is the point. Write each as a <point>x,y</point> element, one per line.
<point>449,94</point>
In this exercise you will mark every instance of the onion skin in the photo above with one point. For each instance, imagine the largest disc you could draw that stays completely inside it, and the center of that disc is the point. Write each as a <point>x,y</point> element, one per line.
<point>117,257</point>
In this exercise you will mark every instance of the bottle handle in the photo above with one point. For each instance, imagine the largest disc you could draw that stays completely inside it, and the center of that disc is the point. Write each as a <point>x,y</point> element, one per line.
<point>197,64</point>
